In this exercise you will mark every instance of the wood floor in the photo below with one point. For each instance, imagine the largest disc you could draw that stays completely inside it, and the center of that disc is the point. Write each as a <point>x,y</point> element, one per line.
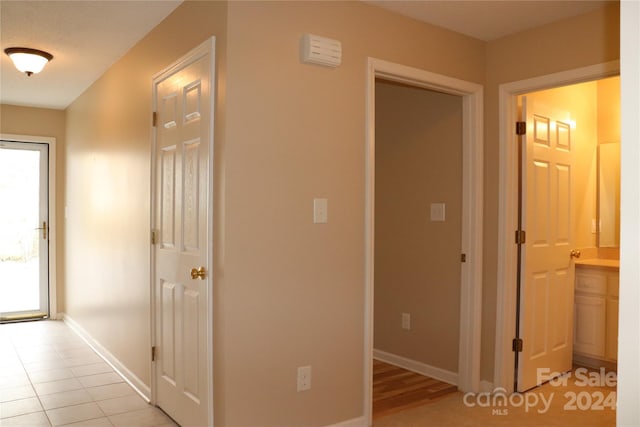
<point>396,389</point>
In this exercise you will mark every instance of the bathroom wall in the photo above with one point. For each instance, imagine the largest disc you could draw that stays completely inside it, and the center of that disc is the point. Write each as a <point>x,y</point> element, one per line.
<point>609,110</point>
<point>417,261</point>
<point>609,166</point>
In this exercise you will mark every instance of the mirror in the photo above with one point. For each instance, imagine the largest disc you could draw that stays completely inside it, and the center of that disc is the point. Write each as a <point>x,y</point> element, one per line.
<point>609,195</point>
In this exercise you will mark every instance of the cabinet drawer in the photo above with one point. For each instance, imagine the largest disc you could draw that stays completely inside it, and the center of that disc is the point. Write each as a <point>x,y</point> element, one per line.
<point>591,282</point>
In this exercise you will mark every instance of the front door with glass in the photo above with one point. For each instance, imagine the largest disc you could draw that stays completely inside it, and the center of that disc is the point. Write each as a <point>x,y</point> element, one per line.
<point>24,231</point>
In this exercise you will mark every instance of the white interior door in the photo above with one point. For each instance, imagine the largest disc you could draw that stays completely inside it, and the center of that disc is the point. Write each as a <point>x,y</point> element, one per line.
<point>547,278</point>
<point>182,254</point>
<point>24,230</point>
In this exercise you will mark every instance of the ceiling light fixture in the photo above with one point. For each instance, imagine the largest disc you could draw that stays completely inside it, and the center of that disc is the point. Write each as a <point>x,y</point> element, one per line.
<point>29,61</point>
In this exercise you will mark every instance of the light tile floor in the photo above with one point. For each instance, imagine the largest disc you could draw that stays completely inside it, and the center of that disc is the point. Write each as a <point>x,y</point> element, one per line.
<point>51,377</point>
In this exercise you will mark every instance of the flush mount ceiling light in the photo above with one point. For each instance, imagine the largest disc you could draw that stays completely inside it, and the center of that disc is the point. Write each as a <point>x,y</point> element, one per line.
<point>29,61</point>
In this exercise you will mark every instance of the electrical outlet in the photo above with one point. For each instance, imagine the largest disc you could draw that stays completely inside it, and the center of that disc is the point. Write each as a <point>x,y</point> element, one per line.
<point>304,378</point>
<point>406,321</point>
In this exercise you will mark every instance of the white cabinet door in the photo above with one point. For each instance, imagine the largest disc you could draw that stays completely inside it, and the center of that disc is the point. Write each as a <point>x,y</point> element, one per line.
<point>612,329</point>
<point>589,324</point>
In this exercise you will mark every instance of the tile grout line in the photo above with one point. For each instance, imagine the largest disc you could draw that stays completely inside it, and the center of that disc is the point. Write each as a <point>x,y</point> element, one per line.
<point>76,377</point>
<point>15,349</point>
<point>38,396</point>
<point>23,355</point>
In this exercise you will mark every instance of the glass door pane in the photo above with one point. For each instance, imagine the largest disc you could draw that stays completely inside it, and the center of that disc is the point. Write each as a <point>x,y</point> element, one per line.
<point>24,223</point>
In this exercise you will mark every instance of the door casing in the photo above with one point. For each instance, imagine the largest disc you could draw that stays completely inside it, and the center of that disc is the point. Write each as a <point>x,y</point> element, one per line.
<point>508,205</point>
<point>472,216</point>
<point>51,142</point>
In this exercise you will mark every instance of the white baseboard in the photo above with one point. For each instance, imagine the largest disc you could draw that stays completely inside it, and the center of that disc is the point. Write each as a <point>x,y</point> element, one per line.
<point>486,386</point>
<point>355,422</point>
<point>418,367</point>
<point>594,363</point>
<point>135,382</point>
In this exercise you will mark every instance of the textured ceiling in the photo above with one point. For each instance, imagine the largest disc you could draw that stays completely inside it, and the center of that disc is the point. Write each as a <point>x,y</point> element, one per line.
<point>489,20</point>
<point>87,36</point>
<point>84,37</point>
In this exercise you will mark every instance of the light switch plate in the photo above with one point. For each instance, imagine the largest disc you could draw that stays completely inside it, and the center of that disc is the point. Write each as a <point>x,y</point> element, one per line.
<point>437,212</point>
<point>320,211</point>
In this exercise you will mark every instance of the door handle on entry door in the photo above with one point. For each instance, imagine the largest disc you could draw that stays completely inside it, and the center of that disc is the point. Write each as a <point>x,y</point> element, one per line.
<point>575,253</point>
<point>44,230</point>
<point>198,273</point>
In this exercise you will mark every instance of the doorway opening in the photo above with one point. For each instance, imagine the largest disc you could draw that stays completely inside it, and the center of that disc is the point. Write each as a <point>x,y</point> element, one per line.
<point>467,377</point>
<point>27,245</point>
<point>418,211</point>
<point>570,148</point>
<point>540,283</point>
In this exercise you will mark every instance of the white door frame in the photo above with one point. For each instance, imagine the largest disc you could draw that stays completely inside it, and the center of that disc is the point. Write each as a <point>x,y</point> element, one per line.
<point>51,142</point>
<point>472,211</point>
<point>206,48</point>
<point>508,205</point>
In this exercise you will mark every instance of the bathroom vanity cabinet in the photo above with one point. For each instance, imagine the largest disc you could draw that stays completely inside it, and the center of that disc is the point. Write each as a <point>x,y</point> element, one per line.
<point>595,335</point>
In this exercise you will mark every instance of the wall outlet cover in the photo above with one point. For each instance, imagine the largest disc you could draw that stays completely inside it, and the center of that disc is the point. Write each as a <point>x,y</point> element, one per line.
<point>406,321</point>
<point>304,378</point>
<point>437,212</point>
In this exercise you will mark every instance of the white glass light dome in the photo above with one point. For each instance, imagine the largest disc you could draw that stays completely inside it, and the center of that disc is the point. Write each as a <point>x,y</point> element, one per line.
<point>29,61</point>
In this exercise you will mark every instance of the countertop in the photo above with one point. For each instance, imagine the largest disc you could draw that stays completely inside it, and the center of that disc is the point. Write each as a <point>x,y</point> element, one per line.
<point>599,262</point>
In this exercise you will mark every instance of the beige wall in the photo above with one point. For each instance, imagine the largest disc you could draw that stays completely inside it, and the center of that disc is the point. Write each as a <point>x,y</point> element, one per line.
<point>417,261</point>
<point>587,39</point>
<point>108,180</point>
<point>293,292</point>
<point>609,160</point>
<point>46,122</point>
<point>287,293</point>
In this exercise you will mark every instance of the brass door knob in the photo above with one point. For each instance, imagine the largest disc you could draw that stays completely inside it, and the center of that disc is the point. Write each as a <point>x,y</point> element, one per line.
<point>198,273</point>
<point>575,253</point>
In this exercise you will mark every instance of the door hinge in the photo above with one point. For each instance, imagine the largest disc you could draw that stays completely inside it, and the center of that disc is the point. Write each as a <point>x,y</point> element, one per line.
<point>521,128</point>
<point>154,119</point>
<point>521,237</point>
<point>154,237</point>
<point>153,353</point>
<point>463,258</point>
<point>516,345</point>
